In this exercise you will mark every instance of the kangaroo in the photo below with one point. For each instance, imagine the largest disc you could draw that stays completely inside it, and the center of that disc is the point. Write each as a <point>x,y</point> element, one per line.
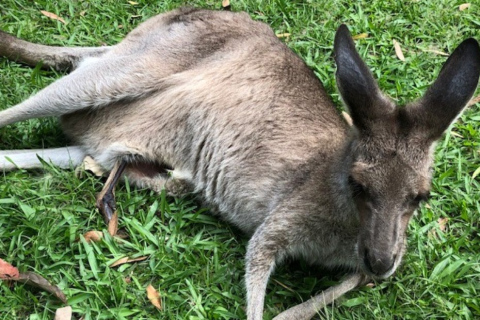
<point>214,104</point>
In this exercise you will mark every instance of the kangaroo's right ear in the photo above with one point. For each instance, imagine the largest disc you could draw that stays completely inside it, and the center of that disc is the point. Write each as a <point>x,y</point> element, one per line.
<point>449,94</point>
<point>356,84</point>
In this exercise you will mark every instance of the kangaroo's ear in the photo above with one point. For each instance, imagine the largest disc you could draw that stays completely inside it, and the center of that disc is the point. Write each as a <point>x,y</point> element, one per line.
<point>356,84</point>
<point>449,94</point>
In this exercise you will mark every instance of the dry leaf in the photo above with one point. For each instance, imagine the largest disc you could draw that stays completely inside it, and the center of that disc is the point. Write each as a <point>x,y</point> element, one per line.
<point>283,35</point>
<point>347,118</point>
<point>132,3</point>
<point>127,260</point>
<point>442,223</point>
<point>119,262</point>
<point>138,259</point>
<point>476,173</point>
<point>154,297</point>
<point>64,313</point>
<point>436,51</point>
<point>474,101</point>
<point>398,50</point>
<point>82,13</point>
<point>370,285</point>
<point>113,224</point>
<point>284,285</point>
<point>93,236</point>
<point>52,16</point>
<point>7,271</point>
<point>464,6</point>
<point>456,134</point>
<point>225,3</point>
<point>91,165</point>
<point>360,36</point>
<point>36,280</point>
<point>127,280</point>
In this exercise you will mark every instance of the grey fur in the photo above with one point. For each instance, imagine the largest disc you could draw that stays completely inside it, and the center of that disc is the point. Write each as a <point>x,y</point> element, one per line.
<point>245,124</point>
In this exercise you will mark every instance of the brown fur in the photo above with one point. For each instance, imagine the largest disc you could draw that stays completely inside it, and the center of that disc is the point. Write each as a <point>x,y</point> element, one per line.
<point>235,116</point>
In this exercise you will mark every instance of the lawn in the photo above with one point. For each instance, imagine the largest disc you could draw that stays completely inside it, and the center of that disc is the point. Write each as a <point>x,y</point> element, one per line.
<point>194,260</point>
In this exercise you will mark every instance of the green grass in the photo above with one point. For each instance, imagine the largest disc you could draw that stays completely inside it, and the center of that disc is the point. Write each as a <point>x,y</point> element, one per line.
<point>195,260</point>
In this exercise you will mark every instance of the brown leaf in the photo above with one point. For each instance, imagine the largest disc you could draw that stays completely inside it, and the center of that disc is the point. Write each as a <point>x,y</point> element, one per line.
<point>93,236</point>
<point>7,271</point>
<point>474,101</point>
<point>127,260</point>
<point>52,16</point>
<point>283,35</point>
<point>154,297</point>
<point>64,313</point>
<point>398,50</point>
<point>225,3</point>
<point>36,280</point>
<point>442,223</point>
<point>370,285</point>
<point>113,224</point>
<point>119,262</point>
<point>360,36</point>
<point>138,259</point>
<point>464,6</point>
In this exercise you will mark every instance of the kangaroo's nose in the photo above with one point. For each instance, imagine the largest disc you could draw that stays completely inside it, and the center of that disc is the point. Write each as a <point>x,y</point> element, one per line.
<point>378,264</point>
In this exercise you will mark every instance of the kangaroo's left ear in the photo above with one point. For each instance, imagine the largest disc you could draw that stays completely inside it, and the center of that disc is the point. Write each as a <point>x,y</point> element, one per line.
<point>449,94</point>
<point>356,84</point>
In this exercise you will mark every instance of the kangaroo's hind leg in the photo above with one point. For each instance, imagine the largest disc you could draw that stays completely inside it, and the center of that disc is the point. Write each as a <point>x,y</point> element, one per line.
<point>106,198</point>
<point>59,58</point>
<point>141,170</point>
<point>94,85</point>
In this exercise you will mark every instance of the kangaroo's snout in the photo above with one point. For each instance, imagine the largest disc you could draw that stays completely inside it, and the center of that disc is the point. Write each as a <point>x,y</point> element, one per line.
<point>381,242</point>
<point>378,264</point>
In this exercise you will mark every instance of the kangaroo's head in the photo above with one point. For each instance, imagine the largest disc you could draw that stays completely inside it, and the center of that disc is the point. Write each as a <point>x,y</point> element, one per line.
<point>392,150</point>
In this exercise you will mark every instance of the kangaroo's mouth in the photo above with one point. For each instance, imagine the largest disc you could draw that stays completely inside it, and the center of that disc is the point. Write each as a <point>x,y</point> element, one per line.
<point>379,276</point>
<point>378,264</point>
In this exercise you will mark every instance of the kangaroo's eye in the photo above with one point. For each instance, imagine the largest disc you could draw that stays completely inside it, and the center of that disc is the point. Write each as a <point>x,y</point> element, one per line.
<point>357,188</point>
